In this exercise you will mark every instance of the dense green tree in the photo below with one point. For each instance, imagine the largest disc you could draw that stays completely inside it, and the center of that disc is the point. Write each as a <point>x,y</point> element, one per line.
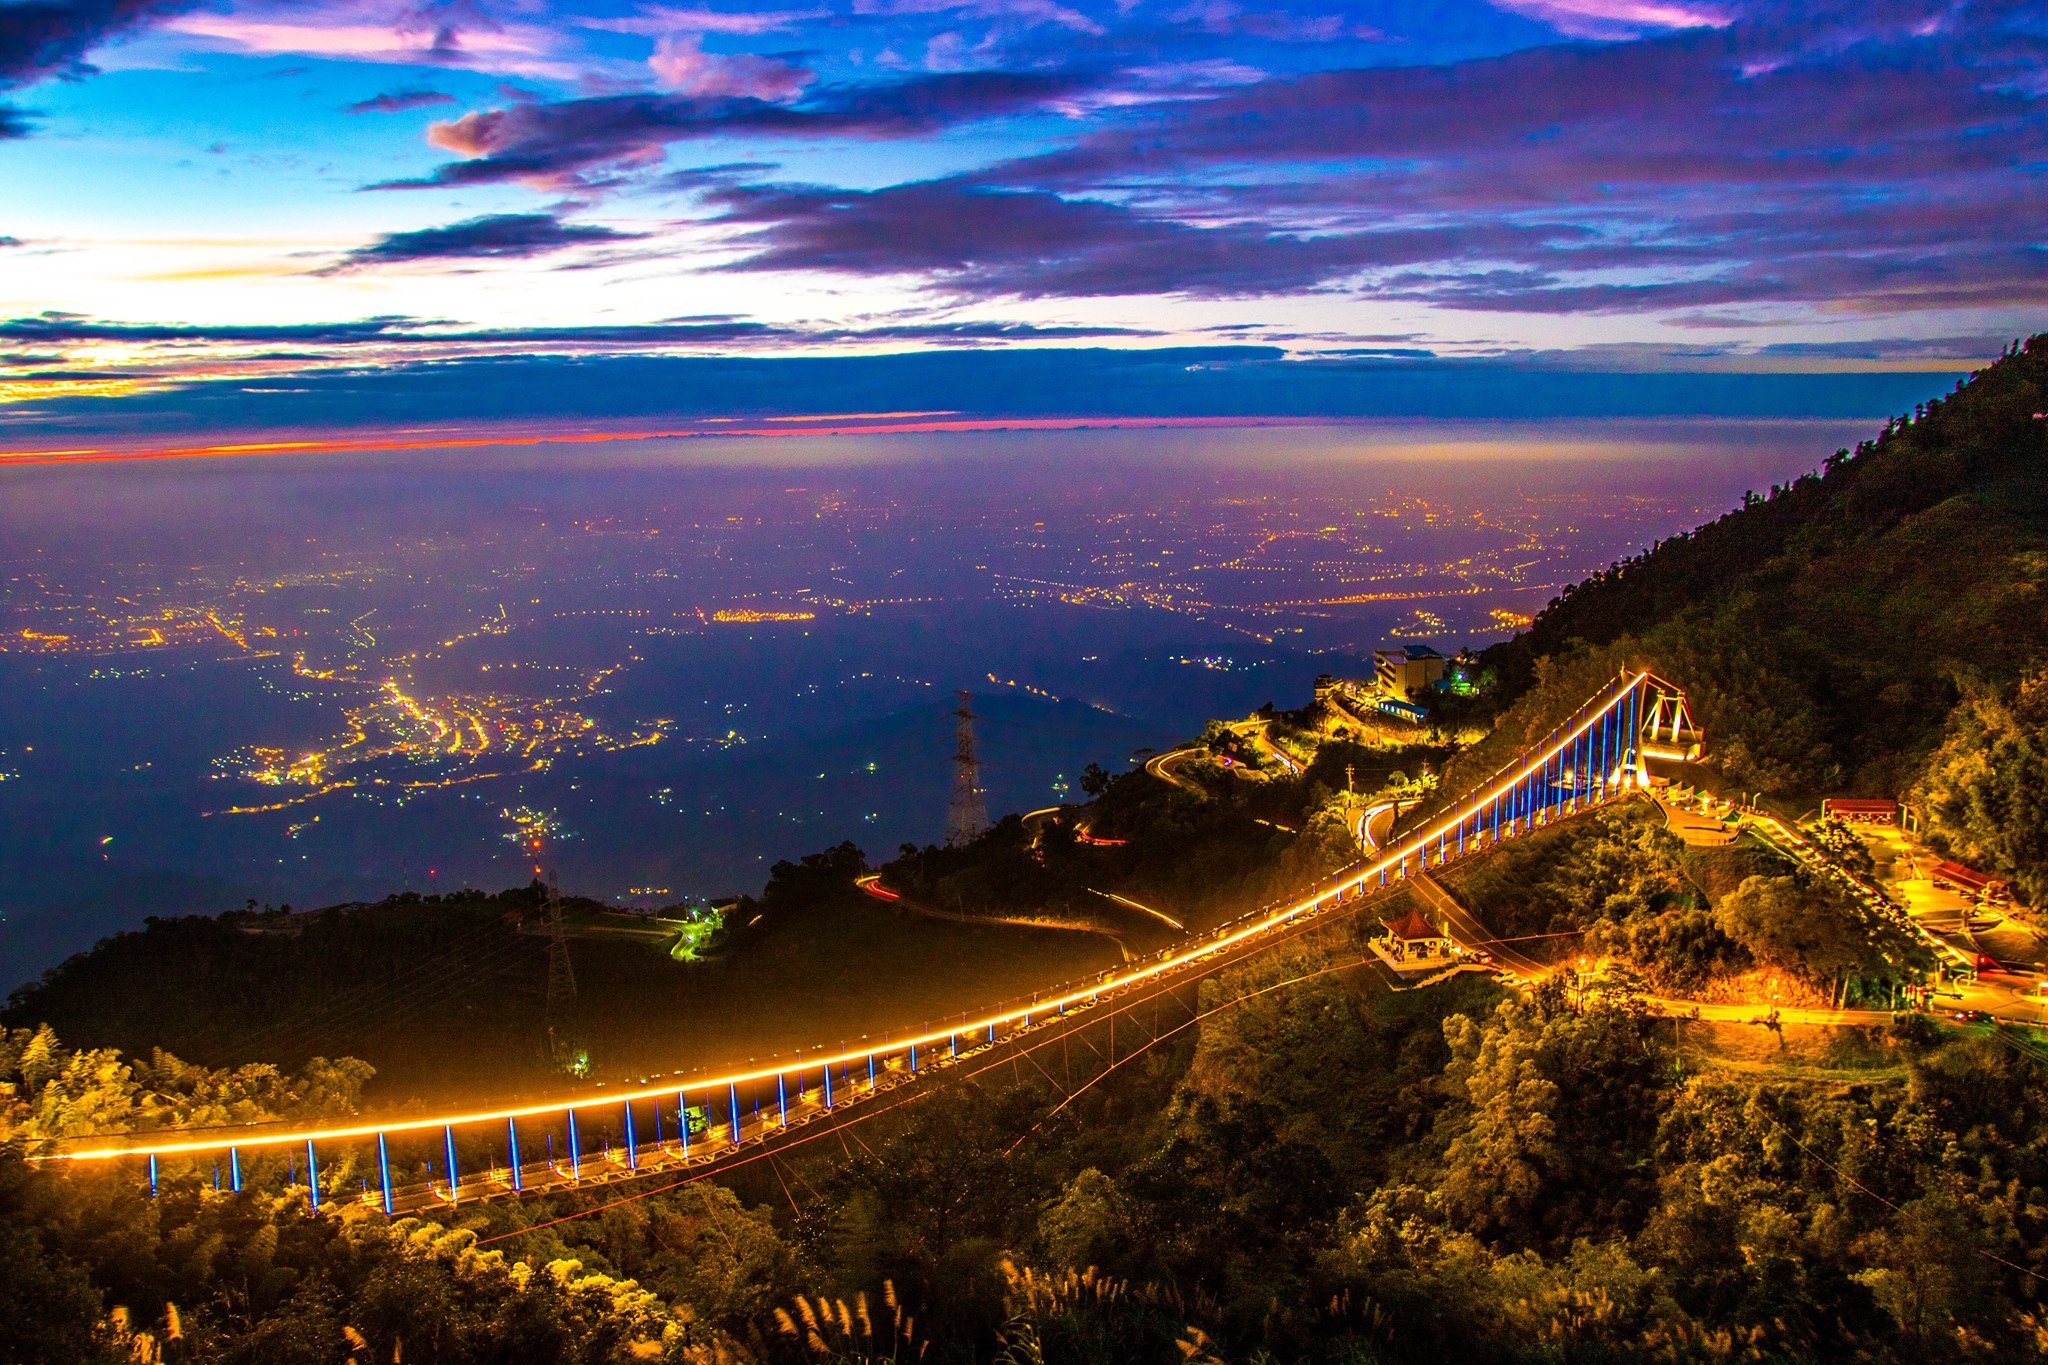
<point>1809,928</point>
<point>1090,1225</point>
<point>1986,787</point>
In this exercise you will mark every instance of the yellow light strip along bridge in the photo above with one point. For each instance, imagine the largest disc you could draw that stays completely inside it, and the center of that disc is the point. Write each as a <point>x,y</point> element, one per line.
<point>1595,755</point>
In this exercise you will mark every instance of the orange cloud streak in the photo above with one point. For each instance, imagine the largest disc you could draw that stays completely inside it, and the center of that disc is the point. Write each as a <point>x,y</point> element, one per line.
<point>341,444</point>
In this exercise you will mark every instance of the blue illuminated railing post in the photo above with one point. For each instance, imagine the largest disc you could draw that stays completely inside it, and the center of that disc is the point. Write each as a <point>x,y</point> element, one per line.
<point>454,1175</point>
<point>1635,734</point>
<point>1607,753</point>
<point>575,1150</point>
<point>235,1169</point>
<point>782,1099</point>
<point>828,1084</point>
<point>512,1154</point>
<point>1586,762</point>
<point>1592,756</point>
<point>732,1111</point>
<point>683,1122</point>
<point>1614,745</point>
<point>632,1147</point>
<point>312,1176</point>
<point>152,1174</point>
<point>1621,744</point>
<point>384,1173</point>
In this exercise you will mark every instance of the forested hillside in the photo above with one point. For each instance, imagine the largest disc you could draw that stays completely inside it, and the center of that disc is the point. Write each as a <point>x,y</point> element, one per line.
<point>1318,1169</point>
<point>1322,1173</point>
<point>1877,627</point>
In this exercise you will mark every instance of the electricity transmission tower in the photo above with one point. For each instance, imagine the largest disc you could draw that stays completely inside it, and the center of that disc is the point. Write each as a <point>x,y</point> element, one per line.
<point>967,817</point>
<point>561,976</point>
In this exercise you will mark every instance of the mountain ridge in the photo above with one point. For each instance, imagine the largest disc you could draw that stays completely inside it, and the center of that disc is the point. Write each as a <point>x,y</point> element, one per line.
<point>1876,627</point>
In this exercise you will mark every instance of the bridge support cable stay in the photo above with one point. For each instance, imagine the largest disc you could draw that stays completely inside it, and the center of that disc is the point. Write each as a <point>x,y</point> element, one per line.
<point>1594,756</point>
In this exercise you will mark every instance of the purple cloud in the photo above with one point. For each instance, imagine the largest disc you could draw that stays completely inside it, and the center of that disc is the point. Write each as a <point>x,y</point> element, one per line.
<point>56,328</point>
<point>1961,349</point>
<point>61,329</point>
<point>983,240</point>
<point>497,235</point>
<point>657,21</point>
<point>398,101</point>
<point>1752,103</point>
<point>566,142</point>
<point>683,66</point>
<point>1227,17</point>
<point>1861,157</point>
<point>1618,18</point>
<point>976,333</point>
<point>1856,157</point>
<point>42,38</point>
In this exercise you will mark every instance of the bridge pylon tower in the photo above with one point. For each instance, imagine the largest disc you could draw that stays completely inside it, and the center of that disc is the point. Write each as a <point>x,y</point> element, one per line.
<point>967,814</point>
<point>1669,730</point>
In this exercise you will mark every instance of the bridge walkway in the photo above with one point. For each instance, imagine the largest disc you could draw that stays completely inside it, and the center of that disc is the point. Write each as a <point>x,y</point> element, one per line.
<point>1594,756</point>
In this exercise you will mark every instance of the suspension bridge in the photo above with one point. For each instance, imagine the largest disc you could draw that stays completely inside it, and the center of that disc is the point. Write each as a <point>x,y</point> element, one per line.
<point>699,1123</point>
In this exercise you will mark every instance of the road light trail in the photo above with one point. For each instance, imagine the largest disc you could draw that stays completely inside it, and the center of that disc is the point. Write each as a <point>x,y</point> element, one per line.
<point>1126,900</point>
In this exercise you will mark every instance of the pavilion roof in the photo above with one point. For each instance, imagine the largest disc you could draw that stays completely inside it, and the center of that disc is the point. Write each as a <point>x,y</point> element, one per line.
<point>1411,926</point>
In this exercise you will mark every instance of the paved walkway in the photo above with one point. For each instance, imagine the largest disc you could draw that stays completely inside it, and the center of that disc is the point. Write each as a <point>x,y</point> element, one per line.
<point>1758,1014</point>
<point>1692,828</point>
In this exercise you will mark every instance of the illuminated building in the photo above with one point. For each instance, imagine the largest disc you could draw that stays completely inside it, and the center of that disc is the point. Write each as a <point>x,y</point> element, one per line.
<point>1405,668</point>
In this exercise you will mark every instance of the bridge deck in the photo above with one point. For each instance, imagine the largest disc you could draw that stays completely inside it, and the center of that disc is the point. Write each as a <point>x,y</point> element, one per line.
<point>1594,756</point>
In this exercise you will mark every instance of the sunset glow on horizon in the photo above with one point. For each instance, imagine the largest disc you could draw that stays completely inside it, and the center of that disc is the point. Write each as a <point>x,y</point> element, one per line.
<point>368,191</point>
